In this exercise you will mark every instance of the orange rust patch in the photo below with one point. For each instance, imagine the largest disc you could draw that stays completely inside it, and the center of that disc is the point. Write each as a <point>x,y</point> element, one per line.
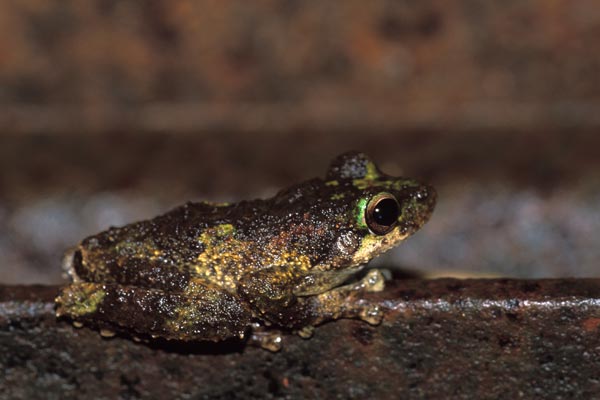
<point>591,324</point>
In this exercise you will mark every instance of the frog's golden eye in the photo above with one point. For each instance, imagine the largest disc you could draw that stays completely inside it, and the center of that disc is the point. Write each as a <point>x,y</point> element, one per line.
<point>382,213</point>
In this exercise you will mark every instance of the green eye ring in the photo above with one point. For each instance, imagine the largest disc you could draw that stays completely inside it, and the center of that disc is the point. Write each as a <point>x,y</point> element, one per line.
<point>381,213</point>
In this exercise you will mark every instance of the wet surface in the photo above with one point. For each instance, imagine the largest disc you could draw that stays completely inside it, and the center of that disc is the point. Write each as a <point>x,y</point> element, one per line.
<point>475,338</point>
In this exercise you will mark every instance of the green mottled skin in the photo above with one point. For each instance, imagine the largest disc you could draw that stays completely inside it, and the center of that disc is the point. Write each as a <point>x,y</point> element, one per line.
<point>210,272</point>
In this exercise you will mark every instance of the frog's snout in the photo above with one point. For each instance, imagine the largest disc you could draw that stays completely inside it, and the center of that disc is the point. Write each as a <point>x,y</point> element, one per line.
<point>426,196</point>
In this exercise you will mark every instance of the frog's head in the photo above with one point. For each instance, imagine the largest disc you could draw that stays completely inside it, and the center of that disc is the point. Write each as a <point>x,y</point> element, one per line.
<point>376,211</point>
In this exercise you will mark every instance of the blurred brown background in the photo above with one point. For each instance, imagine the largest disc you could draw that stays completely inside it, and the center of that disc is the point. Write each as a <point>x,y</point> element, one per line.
<point>112,111</point>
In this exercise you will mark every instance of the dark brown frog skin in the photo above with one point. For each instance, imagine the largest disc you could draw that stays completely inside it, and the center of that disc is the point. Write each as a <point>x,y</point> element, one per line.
<point>215,271</point>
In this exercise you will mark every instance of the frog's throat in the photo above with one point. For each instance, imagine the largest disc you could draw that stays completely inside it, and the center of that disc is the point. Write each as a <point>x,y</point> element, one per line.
<point>373,245</point>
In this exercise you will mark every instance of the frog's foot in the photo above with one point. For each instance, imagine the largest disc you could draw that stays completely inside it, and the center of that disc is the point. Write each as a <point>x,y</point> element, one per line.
<point>374,281</point>
<point>268,339</point>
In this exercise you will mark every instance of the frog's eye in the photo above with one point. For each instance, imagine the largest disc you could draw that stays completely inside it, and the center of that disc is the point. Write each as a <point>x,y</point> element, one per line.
<point>382,213</point>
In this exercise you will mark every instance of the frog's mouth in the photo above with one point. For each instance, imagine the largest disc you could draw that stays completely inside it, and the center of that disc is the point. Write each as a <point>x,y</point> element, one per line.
<point>373,245</point>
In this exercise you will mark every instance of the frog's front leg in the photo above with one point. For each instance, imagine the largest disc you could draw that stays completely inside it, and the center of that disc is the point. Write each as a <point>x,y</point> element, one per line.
<point>276,303</point>
<point>343,302</point>
<point>198,313</point>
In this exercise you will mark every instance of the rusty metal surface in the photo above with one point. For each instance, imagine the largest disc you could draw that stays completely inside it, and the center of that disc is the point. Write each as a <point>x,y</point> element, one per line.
<point>488,339</point>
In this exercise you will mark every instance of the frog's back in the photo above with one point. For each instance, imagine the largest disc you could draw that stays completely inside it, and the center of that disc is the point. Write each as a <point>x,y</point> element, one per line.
<point>155,253</point>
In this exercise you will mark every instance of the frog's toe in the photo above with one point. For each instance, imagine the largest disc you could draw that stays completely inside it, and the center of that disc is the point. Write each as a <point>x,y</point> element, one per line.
<point>372,314</point>
<point>107,333</point>
<point>306,332</point>
<point>374,281</point>
<point>268,340</point>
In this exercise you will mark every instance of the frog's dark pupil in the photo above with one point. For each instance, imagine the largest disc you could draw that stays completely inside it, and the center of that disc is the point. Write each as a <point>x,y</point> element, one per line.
<point>385,212</point>
<point>382,214</point>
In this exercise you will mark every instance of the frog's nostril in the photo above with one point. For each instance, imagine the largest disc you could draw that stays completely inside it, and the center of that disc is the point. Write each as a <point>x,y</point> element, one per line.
<point>426,194</point>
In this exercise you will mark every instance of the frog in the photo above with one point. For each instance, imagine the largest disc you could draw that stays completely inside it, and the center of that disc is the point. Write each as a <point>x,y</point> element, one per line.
<point>251,270</point>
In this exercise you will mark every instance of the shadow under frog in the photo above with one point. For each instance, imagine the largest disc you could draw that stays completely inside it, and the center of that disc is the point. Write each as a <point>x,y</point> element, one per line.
<point>213,272</point>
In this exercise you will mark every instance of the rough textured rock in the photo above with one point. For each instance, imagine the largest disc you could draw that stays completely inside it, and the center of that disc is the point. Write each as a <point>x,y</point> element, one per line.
<point>496,339</point>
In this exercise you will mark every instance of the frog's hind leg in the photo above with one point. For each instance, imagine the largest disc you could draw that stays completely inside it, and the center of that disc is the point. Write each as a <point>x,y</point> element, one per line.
<point>207,314</point>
